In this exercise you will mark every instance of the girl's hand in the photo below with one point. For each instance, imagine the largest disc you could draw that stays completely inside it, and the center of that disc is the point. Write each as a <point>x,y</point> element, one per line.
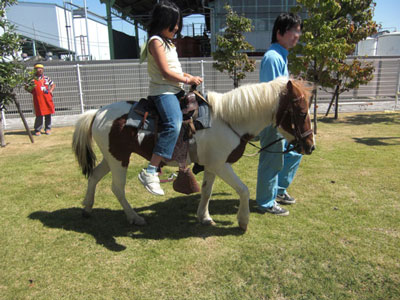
<point>195,80</point>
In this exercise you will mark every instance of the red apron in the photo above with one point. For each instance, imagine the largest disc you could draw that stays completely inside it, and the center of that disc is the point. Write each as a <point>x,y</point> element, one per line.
<point>42,102</point>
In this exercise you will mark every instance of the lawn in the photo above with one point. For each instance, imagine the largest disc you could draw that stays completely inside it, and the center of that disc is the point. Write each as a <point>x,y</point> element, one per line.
<point>340,241</point>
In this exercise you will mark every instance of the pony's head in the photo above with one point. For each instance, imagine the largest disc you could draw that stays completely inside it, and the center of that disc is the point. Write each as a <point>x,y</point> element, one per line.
<point>293,118</point>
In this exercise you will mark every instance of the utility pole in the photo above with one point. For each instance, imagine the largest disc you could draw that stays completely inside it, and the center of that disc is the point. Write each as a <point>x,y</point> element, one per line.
<point>109,4</point>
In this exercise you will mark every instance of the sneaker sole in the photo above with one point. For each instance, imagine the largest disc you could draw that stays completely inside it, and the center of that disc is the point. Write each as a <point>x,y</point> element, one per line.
<point>285,201</point>
<point>147,188</point>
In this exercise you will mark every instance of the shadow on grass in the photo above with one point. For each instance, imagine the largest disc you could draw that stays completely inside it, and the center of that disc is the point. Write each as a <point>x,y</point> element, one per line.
<point>379,141</point>
<point>174,218</point>
<point>23,132</point>
<point>364,119</point>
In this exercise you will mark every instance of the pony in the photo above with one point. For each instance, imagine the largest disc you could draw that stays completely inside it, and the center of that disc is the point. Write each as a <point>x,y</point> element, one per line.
<point>237,116</point>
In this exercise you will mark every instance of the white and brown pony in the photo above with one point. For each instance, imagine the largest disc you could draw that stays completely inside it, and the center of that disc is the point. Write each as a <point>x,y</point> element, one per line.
<point>236,116</point>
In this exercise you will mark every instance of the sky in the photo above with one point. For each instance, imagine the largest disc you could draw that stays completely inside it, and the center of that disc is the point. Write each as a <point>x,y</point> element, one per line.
<point>386,13</point>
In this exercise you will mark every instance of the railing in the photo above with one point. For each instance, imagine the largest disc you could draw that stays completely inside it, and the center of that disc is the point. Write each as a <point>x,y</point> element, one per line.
<point>80,87</point>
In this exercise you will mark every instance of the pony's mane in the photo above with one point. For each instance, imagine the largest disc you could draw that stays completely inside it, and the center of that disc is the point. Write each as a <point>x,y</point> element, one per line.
<point>252,100</point>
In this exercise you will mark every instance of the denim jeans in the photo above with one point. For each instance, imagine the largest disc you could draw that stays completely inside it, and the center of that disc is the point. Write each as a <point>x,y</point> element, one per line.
<point>275,170</point>
<point>171,118</point>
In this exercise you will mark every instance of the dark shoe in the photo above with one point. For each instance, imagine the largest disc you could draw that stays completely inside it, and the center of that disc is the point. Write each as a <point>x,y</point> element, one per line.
<point>285,199</point>
<point>276,210</point>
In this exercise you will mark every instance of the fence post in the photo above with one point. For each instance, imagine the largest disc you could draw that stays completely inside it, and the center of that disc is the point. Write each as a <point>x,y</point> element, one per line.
<point>202,76</point>
<point>397,86</point>
<point>78,74</point>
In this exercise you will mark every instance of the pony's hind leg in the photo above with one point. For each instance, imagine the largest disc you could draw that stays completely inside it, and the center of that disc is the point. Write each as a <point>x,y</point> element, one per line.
<point>118,188</point>
<point>98,173</point>
<point>206,189</point>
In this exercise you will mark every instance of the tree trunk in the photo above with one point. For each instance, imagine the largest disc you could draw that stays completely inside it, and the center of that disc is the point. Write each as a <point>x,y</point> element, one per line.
<point>2,139</point>
<point>314,97</point>
<point>337,105</point>
<point>333,99</point>
<point>23,120</point>
<point>235,80</point>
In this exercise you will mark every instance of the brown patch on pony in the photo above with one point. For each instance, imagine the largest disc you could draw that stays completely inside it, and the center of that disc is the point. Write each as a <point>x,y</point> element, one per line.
<point>237,153</point>
<point>123,141</point>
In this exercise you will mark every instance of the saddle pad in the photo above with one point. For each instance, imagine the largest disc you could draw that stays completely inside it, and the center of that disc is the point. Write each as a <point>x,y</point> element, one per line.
<point>204,117</point>
<point>135,120</point>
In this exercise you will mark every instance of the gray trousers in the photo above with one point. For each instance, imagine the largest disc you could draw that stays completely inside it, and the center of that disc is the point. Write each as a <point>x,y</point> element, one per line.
<point>39,123</point>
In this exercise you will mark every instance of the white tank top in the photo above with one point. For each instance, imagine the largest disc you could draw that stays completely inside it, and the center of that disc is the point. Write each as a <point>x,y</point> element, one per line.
<point>158,84</point>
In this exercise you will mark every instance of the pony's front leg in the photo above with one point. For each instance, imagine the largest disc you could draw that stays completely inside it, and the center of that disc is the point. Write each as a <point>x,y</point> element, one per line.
<point>118,188</point>
<point>228,175</point>
<point>206,189</point>
<point>98,173</point>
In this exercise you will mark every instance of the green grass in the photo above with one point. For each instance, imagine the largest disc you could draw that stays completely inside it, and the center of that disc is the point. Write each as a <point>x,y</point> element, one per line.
<point>340,241</point>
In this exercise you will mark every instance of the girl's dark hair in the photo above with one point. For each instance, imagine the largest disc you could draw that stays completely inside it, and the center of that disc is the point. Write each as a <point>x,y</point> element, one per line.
<point>165,14</point>
<point>285,22</point>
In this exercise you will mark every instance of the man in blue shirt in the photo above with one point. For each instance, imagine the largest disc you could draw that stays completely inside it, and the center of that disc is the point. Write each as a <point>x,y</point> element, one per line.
<point>276,170</point>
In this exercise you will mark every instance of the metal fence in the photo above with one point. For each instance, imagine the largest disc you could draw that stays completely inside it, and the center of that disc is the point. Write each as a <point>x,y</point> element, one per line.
<point>80,87</point>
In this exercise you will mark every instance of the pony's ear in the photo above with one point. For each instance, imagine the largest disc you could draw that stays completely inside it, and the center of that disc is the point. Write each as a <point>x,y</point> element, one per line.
<point>289,86</point>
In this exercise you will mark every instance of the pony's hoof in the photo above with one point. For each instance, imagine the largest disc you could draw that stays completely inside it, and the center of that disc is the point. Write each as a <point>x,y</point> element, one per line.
<point>85,214</point>
<point>243,226</point>
<point>208,222</point>
<point>139,221</point>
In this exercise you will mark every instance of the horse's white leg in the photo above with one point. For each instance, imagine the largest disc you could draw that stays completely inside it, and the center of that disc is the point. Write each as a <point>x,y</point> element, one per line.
<point>228,175</point>
<point>206,189</point>
<point>98,173</point>
<point>118,188</point>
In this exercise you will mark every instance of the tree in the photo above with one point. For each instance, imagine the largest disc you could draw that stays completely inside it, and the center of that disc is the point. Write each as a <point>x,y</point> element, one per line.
<point>330,33</point>
<point>230,55</point>
<point>12,72</point>
<point>349,75</point>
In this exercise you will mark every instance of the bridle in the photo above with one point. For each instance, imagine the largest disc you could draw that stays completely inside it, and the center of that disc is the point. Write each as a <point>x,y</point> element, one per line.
<point>298,135</point>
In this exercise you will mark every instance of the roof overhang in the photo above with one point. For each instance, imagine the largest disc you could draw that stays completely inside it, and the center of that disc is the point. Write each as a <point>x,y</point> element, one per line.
<point>139,10</point>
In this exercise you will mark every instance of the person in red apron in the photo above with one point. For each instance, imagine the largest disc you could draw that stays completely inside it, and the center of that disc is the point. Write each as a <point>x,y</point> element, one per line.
<point>42,92</point>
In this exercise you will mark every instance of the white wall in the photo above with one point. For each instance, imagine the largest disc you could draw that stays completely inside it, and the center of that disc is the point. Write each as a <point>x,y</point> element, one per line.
<point>367,47</point>
<point>35,21</point>
<point>388,44</point>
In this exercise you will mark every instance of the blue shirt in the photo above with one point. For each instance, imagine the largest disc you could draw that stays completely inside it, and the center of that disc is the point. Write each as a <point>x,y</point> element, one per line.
<point>274,63</point>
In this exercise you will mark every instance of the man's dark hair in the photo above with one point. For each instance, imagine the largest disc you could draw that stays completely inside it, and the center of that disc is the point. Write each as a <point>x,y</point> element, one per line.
<point>165,14</point>
<point>283,23</point>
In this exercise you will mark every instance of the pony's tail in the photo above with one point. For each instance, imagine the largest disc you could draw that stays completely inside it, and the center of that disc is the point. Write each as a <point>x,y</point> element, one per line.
<point>82,143</point>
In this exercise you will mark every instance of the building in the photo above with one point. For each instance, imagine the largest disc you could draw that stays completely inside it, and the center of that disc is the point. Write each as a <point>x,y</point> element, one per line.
<point>382,44</point>
<point>68,32</point>
<point>262,13</point>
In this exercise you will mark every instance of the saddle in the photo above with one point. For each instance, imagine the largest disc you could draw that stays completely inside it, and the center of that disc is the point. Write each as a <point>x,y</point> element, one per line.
<point>189,104</point>
<point>185,182</point>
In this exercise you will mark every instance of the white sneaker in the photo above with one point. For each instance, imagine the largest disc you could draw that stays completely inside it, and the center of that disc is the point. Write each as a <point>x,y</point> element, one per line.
<point>151,182</point>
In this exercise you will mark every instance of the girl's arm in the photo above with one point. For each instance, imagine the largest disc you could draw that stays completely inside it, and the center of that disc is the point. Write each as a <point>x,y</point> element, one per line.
<point>156,49</point>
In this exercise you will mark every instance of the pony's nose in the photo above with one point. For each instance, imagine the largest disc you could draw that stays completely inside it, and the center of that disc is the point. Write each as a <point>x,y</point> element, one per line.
<point>312,149</point>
